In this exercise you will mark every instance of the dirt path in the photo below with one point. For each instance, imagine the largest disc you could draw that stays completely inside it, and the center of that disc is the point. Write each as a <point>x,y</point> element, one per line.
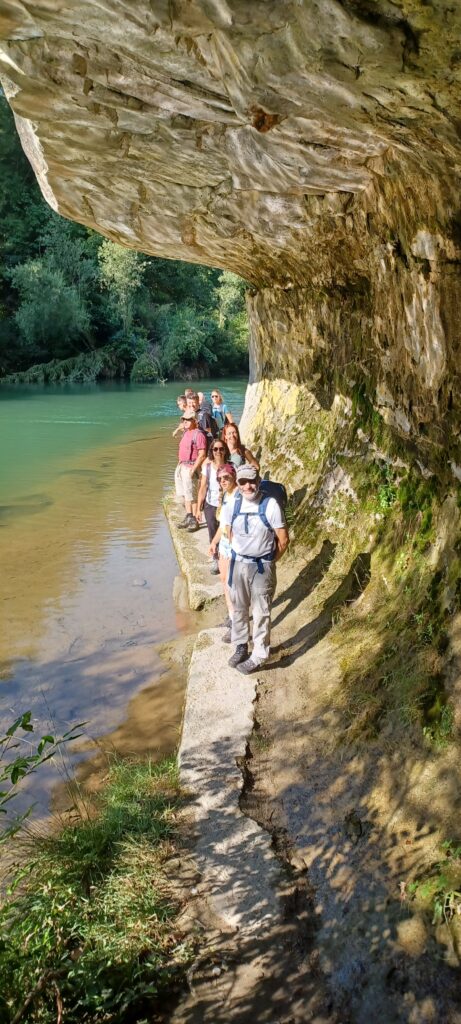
<point>310,919</point>
<point>361,821</point>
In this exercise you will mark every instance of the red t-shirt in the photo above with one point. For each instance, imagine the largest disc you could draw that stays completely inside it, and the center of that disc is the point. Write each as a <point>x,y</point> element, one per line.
<point>191,443</point>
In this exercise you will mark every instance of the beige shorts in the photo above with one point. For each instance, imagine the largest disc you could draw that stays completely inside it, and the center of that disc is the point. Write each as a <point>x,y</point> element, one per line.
<point>185,484</point>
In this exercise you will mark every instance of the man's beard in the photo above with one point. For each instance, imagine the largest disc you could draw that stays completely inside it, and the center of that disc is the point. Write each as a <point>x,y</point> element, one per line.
<point>254,496</point>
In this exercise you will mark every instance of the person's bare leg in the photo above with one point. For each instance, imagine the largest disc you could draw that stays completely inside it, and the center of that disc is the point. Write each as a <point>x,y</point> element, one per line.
<point>224,573</point>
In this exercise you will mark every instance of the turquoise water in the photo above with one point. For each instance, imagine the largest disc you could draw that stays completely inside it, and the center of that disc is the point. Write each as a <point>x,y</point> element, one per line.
<point>40,427</point>
<point>87,564</point>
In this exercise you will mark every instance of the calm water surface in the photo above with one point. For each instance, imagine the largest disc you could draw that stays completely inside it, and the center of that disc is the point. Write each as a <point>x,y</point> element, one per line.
<point>87,564</point>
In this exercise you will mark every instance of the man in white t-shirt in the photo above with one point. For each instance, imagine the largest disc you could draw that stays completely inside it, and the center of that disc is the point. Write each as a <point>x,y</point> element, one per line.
<point>259,537</point>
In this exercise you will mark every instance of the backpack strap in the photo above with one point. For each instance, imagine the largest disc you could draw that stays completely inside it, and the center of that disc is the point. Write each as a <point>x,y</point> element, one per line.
<point>208,475</point>
<point>237,508</point>
<point>262,509</point>
<point>193,441</point>
<point>258,560</point>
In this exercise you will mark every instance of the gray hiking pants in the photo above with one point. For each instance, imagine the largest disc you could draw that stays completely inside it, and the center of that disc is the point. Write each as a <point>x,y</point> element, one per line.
<point>253,591</point>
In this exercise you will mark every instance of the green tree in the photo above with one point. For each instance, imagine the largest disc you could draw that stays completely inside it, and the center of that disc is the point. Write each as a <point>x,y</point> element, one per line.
<point>64,290</point>
<point>50,316</point>
<point>121,273</point>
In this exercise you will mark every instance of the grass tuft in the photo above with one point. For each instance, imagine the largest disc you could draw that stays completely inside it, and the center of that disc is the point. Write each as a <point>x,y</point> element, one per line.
<point>90,922</point>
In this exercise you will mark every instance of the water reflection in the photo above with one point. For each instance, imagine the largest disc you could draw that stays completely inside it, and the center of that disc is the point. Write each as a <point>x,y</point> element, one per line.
<point>86,587</point>
<point>85,604</point>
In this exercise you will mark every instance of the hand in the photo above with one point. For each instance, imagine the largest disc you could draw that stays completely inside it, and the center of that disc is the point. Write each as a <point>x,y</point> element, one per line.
<point>212,549</point>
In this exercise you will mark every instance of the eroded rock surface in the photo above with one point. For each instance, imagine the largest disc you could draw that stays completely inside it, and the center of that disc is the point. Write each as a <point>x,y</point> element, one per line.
<point>313,146</point>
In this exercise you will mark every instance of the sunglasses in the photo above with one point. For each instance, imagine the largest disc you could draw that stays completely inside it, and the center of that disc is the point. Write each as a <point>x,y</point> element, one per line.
<point>226,476</point>
<point>242,483</point>
<point>219,448</point>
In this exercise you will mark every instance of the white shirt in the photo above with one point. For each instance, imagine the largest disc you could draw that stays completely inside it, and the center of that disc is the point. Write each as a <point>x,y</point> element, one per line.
<point>258,541</point>
<point>212,493</point>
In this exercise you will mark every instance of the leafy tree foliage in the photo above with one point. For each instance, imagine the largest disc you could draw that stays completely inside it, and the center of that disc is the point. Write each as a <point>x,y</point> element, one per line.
<point>50,315</point>
<point>66,291</point>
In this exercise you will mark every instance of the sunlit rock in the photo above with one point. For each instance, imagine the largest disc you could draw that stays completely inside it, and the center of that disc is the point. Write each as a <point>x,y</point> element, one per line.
<point>312,147</point>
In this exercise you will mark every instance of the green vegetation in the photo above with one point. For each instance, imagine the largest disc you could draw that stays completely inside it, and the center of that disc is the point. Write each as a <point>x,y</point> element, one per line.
<point>70,297</point>
<point>392,647</point>
<point>19,758</point>
<point>440,891</point>
<point>397,675</point>
<point>88,926</point>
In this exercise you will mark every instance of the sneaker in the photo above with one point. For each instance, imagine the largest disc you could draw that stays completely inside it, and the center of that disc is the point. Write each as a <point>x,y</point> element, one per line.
<point>214,569</point>
<point>240,654</point>
<point>249,666</point>
<point>227,637</point>
<point>183,525</point>
<point>193,525</point>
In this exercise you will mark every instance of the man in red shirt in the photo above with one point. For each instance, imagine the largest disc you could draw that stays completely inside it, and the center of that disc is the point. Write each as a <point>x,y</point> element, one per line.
<point>192,452</point>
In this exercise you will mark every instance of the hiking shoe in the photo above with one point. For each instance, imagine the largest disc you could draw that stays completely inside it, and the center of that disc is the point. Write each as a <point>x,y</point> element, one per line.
<point>248,666</point>
<point>214,569</point>
<point>240,654</point>
<point>183,525</point>
<point>193,525</point>
<point>227,637</point>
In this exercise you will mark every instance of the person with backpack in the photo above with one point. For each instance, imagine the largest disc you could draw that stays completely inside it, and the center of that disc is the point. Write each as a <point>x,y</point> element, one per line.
<point>209,495</point>
<point>220,544</point>
<point>205,420</point>
<point>219,410</point>
<point>192,452</point>
<point>259,538</point>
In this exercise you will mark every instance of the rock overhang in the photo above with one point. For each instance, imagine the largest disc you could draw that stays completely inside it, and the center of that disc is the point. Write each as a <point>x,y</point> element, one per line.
<point>312,146</point>
<point>222,132</point>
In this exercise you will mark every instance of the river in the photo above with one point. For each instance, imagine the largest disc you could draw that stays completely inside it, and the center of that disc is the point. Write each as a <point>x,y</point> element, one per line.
<point>88,567</point>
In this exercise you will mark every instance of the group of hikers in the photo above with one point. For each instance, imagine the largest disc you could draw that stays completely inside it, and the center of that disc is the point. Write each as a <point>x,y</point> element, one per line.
<point>218,478</point>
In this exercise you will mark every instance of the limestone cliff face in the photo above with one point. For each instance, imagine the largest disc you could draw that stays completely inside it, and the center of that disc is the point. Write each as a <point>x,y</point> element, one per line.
<point>313,146</point>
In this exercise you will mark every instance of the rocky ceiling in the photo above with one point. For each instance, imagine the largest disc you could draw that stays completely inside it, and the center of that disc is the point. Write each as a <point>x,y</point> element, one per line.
<point>225,131</point>
<point>312,146</point>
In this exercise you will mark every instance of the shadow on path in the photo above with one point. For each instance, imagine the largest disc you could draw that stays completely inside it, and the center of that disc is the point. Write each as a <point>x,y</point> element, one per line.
<point>351,587</point>
<point>306,581</point>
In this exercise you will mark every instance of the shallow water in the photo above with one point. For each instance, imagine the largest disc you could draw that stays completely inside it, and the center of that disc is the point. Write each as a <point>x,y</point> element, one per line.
<point>87,564</point>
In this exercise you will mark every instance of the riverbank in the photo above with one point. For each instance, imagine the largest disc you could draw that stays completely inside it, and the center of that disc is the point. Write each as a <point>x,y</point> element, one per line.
<point>92,926</point>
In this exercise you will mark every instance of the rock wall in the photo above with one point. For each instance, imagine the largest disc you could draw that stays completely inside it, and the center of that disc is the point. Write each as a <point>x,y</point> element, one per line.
<point>312,146</point>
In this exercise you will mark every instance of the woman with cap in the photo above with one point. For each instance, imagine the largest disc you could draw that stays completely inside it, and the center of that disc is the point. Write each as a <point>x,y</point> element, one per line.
<point>259,537</point>
<point>209,495</point>
<point>221,541</point>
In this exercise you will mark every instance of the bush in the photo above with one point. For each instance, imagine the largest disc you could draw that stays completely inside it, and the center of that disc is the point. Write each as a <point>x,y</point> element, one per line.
<point>145,368</point>
<point>101,364</point>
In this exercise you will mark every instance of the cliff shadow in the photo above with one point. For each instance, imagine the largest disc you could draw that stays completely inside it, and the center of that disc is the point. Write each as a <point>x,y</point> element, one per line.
<point>349,590</point>
<point>308,578</point>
